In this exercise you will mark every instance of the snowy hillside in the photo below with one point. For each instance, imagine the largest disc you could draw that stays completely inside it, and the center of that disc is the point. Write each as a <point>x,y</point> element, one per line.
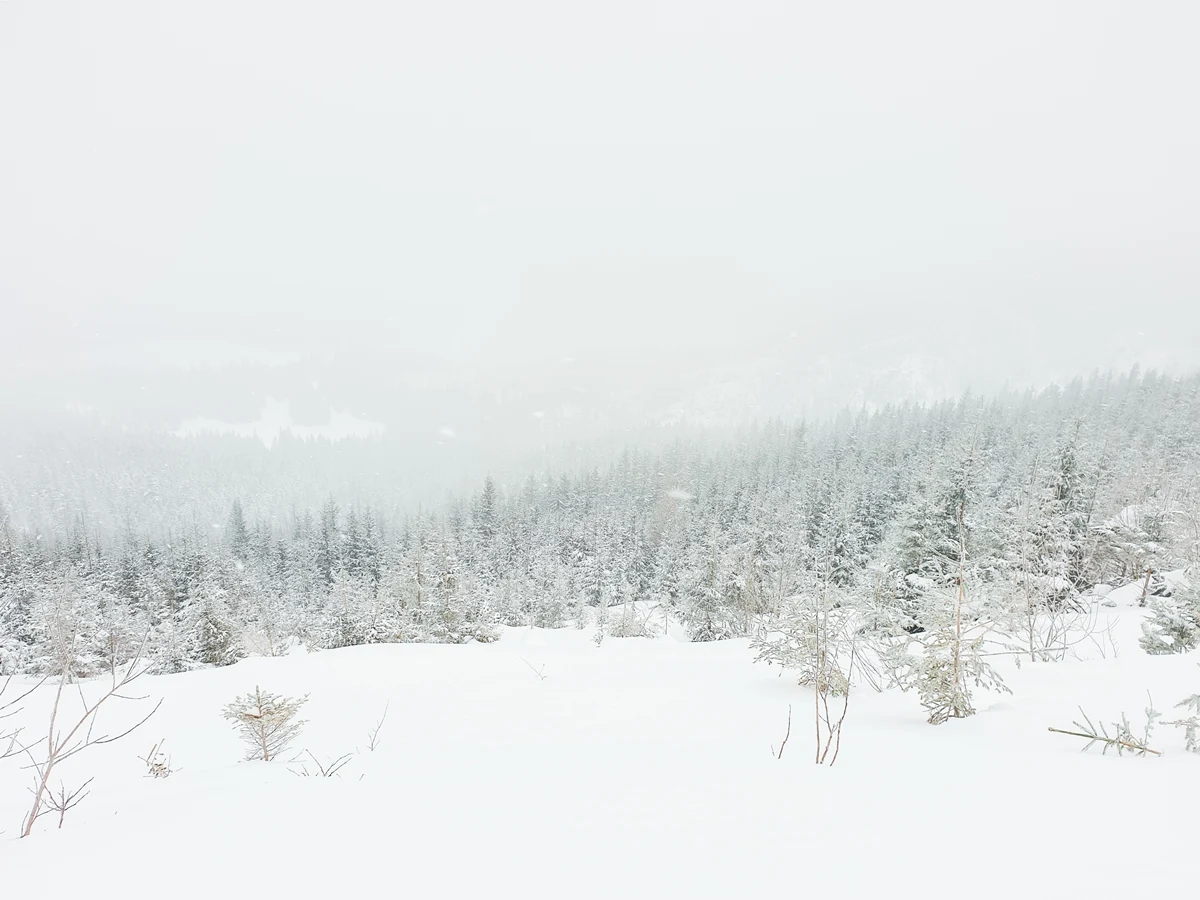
<point>638,768</point>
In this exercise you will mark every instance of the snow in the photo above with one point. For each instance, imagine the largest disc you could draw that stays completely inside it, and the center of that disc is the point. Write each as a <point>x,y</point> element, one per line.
<point>1131,594</point>
<point>638,768</point>
<point>275,419</point>
<point>1126,595</point>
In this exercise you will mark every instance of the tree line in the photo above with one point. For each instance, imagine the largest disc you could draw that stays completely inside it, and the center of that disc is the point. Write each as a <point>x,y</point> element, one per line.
<point>1020,502</point>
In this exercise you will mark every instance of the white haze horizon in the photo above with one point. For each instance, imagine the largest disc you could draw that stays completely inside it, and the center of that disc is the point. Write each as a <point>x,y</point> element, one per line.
<point>459,216</point>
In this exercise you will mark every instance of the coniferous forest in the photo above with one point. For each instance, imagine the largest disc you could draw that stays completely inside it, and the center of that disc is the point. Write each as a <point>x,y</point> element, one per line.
<point>1018,504</point>
<point>522,447</point>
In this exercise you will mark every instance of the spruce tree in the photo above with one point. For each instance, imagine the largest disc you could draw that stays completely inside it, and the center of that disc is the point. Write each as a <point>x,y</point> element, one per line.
<point>1174,622</point>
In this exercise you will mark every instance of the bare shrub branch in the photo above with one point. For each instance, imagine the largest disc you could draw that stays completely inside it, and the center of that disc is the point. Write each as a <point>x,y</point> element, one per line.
<point>825,723</point>
<point>79,737</point>
<point>323,770</point>
<point>373,737</point>
<point>11,739</point>
<point>64,800</point>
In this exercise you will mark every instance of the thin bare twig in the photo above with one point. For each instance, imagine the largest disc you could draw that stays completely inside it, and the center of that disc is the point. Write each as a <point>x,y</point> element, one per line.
<point>62,801</point>
<point>326,770</point>
<point>373,740</point>
<point>15,700</point>
<point>779,755</point>
<point>540,673</point>
<point>833,730</point>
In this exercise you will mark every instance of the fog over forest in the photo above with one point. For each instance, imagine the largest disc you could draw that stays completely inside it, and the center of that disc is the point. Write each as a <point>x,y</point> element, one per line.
<point>539,224</point>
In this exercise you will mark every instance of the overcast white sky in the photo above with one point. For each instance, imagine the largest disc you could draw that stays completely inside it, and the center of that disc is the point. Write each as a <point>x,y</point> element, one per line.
<point>500,180</point>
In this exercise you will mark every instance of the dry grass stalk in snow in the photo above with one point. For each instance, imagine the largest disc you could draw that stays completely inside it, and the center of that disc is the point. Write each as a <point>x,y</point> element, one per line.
<point>266,722</point>
<point>158,764</point>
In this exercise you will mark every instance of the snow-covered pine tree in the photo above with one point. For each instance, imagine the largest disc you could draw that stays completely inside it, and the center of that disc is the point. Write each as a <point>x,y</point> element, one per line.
<point>18,636</point>
<point>442,616</point>
<point>214,636</point>
<point>705,609</point>
<point>236,533</point>
<point>327,542</point>
<point>1174,622</point>
<point>355,615</point>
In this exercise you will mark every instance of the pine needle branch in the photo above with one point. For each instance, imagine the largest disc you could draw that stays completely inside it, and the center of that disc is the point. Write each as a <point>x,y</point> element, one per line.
<point>1123,740</point>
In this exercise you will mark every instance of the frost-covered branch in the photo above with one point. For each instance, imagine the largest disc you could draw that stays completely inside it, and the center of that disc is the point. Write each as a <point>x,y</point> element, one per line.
<point>1121,738</point>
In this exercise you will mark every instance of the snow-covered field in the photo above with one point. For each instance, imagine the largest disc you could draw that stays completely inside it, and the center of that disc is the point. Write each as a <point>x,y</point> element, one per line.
<point>639,768</point>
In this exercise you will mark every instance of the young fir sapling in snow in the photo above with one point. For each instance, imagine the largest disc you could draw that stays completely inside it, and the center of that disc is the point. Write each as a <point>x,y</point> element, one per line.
<point>953,633</point>
<point>265,722</point>
<point>818,631</point>
<point>952,658</point>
